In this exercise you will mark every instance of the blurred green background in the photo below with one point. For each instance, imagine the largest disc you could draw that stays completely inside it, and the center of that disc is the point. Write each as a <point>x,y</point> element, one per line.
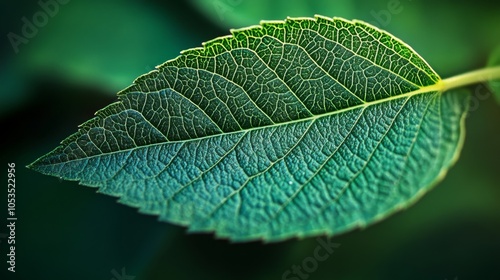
<point>82,53</point>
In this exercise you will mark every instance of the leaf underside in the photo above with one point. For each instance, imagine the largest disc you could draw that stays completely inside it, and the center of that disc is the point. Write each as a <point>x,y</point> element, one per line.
<point>291,128</point>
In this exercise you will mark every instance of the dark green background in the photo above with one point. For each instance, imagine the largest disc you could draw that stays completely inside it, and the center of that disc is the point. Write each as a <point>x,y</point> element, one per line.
<point>89,50</point>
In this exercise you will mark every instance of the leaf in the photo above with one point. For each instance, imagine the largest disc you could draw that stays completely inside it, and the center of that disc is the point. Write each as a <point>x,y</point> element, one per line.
<point>292,128</point>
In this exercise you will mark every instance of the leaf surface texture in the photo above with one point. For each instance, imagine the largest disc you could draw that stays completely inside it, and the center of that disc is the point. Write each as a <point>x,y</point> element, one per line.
<point>290,128</point>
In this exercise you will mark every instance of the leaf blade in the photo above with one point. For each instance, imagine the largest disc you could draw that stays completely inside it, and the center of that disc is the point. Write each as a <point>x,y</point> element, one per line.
<point>211,116</point>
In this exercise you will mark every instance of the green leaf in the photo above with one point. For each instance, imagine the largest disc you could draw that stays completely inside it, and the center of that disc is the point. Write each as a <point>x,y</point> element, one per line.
<point>291,128</point>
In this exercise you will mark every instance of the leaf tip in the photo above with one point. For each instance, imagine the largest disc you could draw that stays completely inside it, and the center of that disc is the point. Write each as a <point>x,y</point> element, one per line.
<point>36,165</point>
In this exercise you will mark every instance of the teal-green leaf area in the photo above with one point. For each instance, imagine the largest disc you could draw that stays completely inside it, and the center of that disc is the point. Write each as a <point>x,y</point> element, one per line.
<point>287,129</point>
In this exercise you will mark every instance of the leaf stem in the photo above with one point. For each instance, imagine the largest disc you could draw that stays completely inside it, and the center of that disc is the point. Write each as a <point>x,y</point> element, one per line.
<point>473,77</point>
